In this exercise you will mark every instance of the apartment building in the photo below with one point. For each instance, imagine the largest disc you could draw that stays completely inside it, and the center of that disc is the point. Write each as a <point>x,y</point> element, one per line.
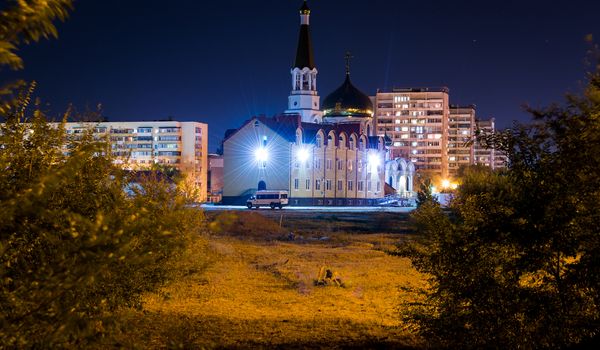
<point>416,120</point>
<point>138,145</point>
<point>488,156</point>
<point>461,129</point>
<point>215,178</point>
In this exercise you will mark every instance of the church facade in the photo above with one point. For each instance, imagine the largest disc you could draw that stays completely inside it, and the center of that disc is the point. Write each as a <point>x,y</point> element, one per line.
<point>322,155</point>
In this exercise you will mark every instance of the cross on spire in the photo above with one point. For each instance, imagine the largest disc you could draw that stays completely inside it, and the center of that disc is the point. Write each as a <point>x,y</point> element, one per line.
<point>348,57</point>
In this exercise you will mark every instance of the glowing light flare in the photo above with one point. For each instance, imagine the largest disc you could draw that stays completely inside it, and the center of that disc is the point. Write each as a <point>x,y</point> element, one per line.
<point>261,154</point>
<point>302,155</point>
<point>447,184</point>
<point>374,161</point>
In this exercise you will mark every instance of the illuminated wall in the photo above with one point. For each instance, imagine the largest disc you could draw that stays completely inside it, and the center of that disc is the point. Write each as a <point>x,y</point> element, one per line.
<point>253,154</point>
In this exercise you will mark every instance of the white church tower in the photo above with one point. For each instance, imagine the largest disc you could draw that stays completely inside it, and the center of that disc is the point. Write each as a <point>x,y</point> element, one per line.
<point>304,99</point>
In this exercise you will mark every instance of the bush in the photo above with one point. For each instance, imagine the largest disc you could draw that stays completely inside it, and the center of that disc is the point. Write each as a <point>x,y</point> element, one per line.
<point>515,263</point>
<point>74,247</point>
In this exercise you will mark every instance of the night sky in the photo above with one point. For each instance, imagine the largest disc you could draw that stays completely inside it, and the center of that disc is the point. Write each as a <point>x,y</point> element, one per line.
<point>221,62</point>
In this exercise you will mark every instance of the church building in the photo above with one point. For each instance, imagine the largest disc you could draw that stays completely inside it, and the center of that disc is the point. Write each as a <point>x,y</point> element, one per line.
<point>322,155</point>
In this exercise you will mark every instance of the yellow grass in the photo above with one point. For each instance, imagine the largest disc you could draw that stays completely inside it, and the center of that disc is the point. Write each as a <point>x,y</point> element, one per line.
<point>261,294</point>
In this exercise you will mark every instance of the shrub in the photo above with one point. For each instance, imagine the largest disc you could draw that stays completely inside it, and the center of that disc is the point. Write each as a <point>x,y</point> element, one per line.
<point>516,261</point>
<point>73,246</point>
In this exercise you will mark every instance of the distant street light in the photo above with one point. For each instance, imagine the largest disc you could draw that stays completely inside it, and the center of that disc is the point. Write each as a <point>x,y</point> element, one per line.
<point>445,184</point>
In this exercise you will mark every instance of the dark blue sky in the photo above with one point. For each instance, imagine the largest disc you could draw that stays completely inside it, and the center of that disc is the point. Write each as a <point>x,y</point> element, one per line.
<point>222,61</point>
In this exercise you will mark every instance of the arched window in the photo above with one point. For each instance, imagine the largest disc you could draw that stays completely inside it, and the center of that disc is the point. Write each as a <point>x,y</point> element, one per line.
<point>262,185</point>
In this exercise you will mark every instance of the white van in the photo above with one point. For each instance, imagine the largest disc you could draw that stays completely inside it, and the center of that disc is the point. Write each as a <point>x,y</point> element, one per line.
<point>271,198</point>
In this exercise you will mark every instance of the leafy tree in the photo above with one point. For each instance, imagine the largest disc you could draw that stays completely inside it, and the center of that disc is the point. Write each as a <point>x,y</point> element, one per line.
<point>73,246</point>
<point>24,22</point>
<point>425,194</point>
<point>516,263</point>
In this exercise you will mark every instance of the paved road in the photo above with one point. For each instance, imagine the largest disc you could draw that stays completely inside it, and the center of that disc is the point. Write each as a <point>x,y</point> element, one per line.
<point>209,207</point>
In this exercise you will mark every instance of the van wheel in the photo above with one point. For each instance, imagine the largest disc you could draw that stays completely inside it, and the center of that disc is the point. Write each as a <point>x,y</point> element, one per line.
<point>280,206</point>
<point>249,205</point>
<point>272,206</point>
<point>258,206</point>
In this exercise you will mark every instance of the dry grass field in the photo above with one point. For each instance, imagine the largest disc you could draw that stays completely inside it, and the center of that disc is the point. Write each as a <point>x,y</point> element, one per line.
<point>258,291</point>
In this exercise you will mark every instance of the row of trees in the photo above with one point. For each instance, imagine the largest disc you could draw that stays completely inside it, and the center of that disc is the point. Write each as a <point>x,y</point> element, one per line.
<point>74,247</point>
<point>514,262</point>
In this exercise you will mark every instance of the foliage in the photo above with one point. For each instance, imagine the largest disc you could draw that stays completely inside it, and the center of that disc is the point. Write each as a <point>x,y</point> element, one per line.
<point>186,182</point>
<point>516,264</point>
<point>73,246</point>
<point>424,194</point>
<point>24,22</point>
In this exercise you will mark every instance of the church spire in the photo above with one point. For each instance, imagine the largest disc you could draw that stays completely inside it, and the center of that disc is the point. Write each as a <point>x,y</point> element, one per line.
<point>304,98</point>
<point>304,10</point>
<point>304,53</point>
<point>348,57</point>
